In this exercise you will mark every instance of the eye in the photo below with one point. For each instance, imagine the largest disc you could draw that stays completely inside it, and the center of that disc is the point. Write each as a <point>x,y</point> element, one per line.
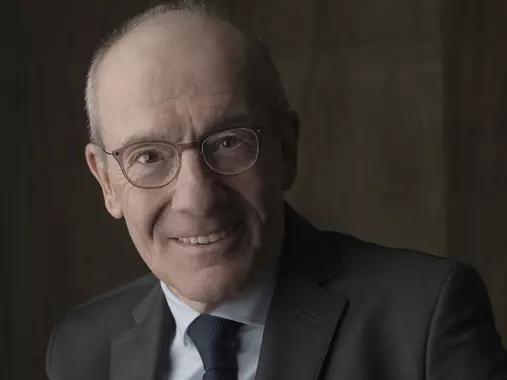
<point>228,142</point>
<point>148,157</point>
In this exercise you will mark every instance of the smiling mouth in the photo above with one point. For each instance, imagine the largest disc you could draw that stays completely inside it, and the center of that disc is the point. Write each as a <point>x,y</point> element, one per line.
<point>208,239</point>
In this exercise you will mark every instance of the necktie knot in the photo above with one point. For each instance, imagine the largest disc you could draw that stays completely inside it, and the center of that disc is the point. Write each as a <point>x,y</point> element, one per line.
<point>216,340</point>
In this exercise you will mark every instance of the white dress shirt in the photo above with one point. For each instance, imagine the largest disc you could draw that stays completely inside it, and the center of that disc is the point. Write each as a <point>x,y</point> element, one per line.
<point>251,310</point>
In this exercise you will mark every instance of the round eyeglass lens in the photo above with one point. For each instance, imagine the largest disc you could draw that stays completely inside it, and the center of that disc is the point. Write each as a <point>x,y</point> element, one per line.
<point>232,151</point>
<point>150,165</point>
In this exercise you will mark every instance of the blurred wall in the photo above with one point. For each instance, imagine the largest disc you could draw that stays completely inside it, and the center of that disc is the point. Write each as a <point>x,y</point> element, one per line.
<point>402,142</point>
<point>475,66</point>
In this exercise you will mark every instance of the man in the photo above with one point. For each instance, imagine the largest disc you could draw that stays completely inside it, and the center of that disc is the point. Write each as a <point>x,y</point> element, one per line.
<point>193,144</point>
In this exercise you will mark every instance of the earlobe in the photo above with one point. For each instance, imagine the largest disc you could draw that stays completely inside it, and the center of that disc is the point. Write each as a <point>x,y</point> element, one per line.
<point>96,164</point>
<point>290,138</point>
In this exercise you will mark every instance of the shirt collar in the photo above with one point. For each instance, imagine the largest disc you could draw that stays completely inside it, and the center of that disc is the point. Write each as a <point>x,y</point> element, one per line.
<point>250,309</point>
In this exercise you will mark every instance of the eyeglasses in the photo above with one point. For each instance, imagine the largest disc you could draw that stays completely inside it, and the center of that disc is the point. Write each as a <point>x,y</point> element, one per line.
<point>154,164</point>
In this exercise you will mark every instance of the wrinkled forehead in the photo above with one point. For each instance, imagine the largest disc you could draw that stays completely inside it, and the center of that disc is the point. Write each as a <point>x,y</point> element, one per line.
<point>176,61</point>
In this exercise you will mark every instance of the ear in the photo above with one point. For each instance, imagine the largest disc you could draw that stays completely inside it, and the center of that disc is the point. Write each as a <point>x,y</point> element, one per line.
<point>289,138</point>
<point>97,164</point>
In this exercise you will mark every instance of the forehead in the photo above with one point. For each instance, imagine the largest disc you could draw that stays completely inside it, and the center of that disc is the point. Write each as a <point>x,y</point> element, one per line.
<point>184,74</point>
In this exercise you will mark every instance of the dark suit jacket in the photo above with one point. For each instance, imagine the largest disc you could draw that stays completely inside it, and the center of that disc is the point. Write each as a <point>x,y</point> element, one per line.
<point>343,309</point>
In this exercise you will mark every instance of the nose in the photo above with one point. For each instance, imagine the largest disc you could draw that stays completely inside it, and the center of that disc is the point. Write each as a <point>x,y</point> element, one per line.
<point>197,189</point>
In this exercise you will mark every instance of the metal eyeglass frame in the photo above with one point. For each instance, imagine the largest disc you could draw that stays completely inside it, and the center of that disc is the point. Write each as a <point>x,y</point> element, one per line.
<point>117,154</point>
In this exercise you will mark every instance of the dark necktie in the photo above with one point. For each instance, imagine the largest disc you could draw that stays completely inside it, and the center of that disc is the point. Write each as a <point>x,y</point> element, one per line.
<point>216,339</point>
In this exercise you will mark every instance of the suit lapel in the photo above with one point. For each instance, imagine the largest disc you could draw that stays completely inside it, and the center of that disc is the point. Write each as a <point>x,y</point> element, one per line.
<point>301,324</point>
<point>142,352</point>
<point>304,316</point>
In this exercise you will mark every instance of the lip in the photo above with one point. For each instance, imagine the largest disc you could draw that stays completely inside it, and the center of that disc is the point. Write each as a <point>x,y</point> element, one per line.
<point>218,246</point>
<point>215,231</point>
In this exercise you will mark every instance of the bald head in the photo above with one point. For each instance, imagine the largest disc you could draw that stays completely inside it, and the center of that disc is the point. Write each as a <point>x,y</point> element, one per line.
<point>188,47</point>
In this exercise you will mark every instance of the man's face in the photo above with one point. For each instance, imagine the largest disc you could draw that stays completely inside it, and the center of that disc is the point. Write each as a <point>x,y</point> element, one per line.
<point>179,85</point>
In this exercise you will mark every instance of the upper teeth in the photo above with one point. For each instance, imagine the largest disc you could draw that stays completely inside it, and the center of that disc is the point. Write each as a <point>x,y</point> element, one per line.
<point>207,239</point>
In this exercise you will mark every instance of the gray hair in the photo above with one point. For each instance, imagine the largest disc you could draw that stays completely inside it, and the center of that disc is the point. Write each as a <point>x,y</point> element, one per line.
<point>271,93</point>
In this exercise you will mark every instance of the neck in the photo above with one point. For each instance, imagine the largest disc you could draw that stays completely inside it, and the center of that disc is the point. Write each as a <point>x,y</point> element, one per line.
<point>200,307</point>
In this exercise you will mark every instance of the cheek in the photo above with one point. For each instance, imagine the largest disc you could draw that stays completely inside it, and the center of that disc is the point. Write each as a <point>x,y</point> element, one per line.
<point>262,185</point>
<point>269,174</point>
<point>140,205</point>
<point>252,189</point>
<point>117,176</point>
<point>271,163</point>
<point>260,191</point>
<point>140,208</point>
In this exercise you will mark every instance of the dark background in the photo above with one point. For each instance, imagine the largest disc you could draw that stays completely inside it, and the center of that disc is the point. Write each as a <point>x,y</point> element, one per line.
<point>403,106</point>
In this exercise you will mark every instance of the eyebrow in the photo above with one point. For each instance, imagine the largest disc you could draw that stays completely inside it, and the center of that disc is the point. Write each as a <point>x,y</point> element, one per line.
<point>227,122</point>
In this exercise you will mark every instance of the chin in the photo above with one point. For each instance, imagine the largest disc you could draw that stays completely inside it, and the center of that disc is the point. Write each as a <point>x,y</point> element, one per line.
<point>216,285</point>
<point>213,285</point>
